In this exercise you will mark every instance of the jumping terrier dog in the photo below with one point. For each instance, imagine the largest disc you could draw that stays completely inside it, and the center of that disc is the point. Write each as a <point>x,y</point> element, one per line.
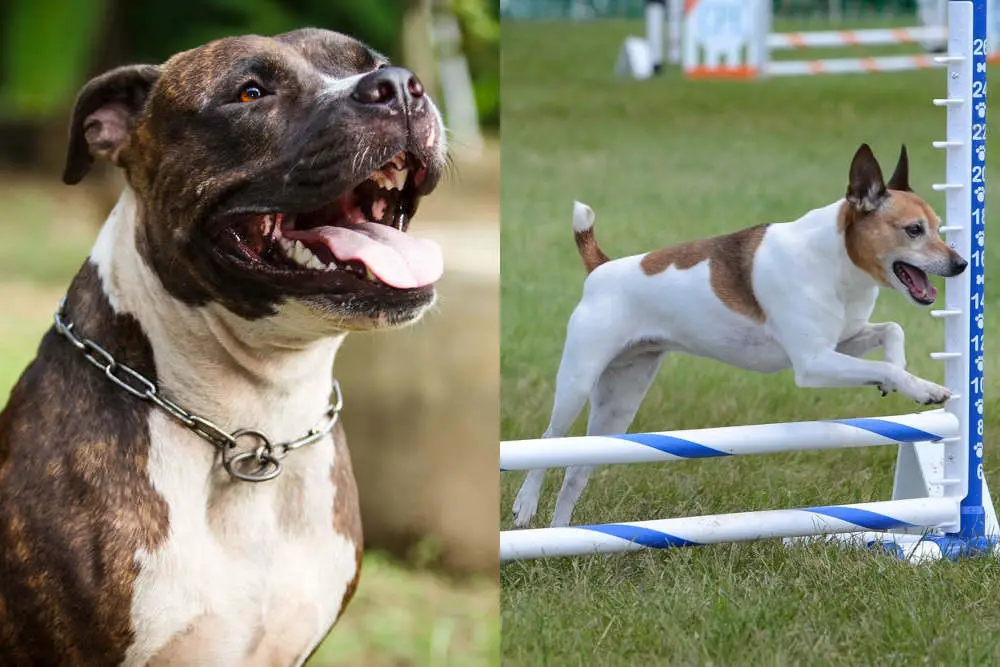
<point>190,500</point>
<point>766,298</point>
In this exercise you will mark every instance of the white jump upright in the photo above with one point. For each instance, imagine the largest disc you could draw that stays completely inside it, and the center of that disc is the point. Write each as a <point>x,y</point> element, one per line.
<point>734,39</point>
<point>941,506</point>
<point>641,58</point>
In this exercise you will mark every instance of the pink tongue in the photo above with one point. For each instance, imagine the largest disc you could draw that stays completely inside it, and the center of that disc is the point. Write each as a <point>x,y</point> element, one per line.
<point>396,258</point>
<point>920,280</point>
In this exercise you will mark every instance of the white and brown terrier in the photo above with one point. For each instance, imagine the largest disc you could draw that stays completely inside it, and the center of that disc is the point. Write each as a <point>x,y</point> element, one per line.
<point>766,298</point>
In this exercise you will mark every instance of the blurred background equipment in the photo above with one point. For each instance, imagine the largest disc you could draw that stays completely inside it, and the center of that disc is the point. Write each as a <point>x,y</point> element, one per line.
<point>750,38</point>
<point>420,404</point>
<point>826,11</point>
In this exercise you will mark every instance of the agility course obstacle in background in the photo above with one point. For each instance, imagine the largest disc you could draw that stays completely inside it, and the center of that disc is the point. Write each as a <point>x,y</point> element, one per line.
<point>941,506</point>
<point>734,39</point>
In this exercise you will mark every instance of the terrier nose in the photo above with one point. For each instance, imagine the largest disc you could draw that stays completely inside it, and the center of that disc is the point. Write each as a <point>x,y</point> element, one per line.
<point>389,86</point>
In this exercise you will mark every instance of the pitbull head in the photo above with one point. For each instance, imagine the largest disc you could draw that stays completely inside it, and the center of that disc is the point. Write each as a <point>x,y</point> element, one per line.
<point>274,170</point>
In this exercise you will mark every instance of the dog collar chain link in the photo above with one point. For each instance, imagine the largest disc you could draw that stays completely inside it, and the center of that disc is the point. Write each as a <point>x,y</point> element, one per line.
<point>267,455</point>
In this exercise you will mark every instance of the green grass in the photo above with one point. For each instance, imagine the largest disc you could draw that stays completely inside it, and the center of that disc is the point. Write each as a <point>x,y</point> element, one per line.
<point>660,162</point>
<point>41,245</point>
<point>411,617</point>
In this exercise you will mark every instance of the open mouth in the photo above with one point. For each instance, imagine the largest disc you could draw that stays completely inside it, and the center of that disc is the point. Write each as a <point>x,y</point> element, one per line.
<point>916,282</point>
<point>362,233</point>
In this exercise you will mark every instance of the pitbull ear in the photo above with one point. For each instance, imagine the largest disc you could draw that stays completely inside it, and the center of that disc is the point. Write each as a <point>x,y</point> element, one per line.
<point>103,116</point>
<point>901,176</point>
<point>866,188</point>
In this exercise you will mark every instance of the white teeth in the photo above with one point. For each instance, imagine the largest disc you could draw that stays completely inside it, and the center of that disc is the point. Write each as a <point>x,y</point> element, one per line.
<point>382,180</point>
<point>300,253</point>
<point>399,178</point>
<point>268,225</point>
<point>394,180</point>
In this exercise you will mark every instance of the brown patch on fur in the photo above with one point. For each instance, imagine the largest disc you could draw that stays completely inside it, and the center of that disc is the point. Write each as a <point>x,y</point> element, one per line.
<point>186,647</point>
<point>346,508</point>
<point>279,641</point>
<point>870,235</point>
<point>346,514</point>
<point>730,260</point>
<point>75,499</point>
<point>590,252</point>
<point>289,630</point>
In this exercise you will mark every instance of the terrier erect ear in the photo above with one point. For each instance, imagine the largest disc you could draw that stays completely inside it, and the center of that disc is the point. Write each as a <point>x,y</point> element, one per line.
<point>901,176</point>
<point>103,116</point>
<point>866,188</point>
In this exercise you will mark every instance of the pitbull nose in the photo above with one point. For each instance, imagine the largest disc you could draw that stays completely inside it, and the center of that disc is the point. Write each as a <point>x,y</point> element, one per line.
<point>390,86</point>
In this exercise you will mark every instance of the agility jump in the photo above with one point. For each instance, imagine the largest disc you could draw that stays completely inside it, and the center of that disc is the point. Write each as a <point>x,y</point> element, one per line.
<point>734,39</point>
<point>941,506</point>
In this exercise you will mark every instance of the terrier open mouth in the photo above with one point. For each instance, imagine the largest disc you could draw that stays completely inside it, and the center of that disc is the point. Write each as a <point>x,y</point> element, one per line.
<point>362,232</point>
<point>916,281</point>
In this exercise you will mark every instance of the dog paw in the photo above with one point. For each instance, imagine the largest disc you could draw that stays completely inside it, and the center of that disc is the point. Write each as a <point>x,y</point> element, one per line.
<point>524,511</point>
<point>928,393</point>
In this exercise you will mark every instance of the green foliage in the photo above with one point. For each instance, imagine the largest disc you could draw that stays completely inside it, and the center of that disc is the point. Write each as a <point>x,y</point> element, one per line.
<point>50,47</point>
<point>377,22</point>
<point>479,20</point>
<point>46,47</point>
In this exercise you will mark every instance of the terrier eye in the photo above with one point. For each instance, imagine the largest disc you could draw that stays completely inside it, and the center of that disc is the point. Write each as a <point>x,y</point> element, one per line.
<point>914,230</point>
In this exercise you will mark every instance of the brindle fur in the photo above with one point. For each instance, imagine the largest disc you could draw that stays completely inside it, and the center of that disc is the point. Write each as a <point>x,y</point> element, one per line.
<point>75,503</point>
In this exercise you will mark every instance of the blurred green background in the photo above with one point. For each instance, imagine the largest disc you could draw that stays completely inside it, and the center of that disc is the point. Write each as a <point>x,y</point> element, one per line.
<point>428,592</point>
<point>50,47</point>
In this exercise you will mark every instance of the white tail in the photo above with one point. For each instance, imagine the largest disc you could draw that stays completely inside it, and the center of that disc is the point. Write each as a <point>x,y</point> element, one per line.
<point>583,217</point>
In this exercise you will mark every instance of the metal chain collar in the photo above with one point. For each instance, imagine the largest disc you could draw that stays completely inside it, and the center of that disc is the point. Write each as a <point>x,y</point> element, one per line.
<point>266,456</point>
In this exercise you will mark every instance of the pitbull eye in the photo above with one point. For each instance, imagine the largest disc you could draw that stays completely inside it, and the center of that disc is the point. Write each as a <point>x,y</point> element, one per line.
<point>914,230</point>
<point>251,92</point>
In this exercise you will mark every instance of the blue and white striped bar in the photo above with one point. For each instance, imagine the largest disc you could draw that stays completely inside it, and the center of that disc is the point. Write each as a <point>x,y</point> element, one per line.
<point>930,513</point>
<point>913,548</point>
<point>726,441</point>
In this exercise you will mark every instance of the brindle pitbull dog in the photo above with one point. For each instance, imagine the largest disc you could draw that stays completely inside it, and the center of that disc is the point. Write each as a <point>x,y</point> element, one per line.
<point>270,185</point>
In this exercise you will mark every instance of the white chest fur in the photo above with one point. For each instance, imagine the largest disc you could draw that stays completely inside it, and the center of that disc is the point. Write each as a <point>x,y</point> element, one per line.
<point>250,573</point>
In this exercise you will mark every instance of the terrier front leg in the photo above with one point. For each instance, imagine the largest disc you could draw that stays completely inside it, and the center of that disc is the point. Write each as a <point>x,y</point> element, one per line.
<point>887,335</point>
<point>830,368</point>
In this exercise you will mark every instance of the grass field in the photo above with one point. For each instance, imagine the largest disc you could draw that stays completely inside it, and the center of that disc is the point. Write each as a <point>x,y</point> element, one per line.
<point>401,616</point>
<point>662,162</point>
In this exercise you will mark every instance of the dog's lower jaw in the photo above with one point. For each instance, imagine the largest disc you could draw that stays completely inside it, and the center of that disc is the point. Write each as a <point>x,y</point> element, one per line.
<point>407,308</point>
